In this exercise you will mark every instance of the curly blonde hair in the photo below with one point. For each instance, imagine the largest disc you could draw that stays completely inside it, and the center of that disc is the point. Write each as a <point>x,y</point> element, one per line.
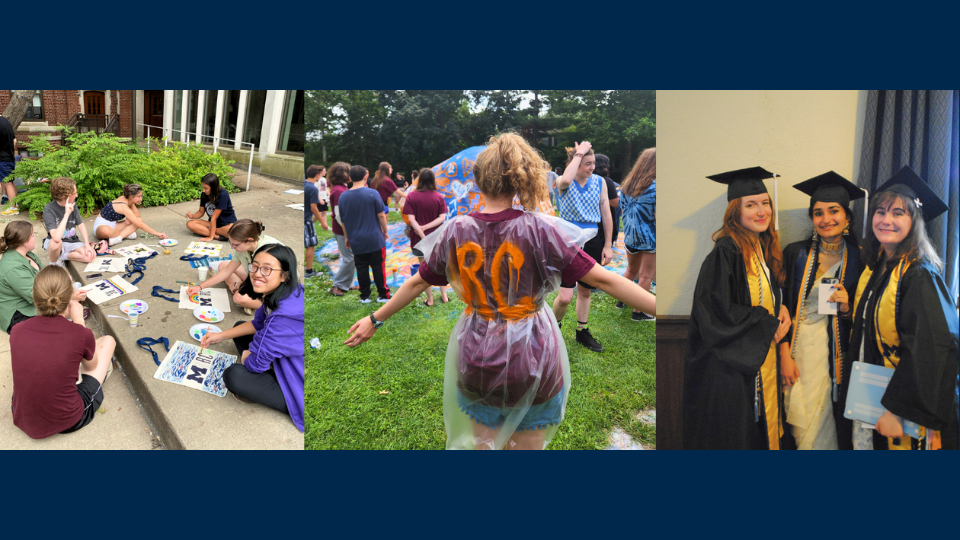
<point>61,187</point>
<point>509,166</point>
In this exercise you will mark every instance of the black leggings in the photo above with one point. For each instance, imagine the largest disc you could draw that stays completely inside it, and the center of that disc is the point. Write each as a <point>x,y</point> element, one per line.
<point>262,388</point>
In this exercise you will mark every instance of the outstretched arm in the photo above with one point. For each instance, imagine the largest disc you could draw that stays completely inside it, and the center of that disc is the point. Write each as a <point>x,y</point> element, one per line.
<point>363,329</point>
<point>620,288</point>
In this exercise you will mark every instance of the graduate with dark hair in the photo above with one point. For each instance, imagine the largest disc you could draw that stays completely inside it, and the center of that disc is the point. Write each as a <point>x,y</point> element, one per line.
<point>810,357</point>
<point>731,395</point>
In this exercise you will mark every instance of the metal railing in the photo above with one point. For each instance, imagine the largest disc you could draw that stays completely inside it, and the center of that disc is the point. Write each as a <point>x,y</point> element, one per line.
<point>97,123</point>
<point>216,144</point>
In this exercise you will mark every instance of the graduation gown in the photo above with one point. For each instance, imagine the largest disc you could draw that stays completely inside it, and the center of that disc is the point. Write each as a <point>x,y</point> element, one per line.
<point>801,270</point>
<point>725,403</point>
<point>906,320</point>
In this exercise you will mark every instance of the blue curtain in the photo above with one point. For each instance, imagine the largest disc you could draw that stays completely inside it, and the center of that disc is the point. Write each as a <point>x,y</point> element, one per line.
<point>920,128</point>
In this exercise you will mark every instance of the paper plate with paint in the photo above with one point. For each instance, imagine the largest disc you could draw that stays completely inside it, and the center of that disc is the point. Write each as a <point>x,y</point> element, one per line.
<point>208,314</point>
<point>167,242</point>
<point>131,306</point>
<point>197,331</point>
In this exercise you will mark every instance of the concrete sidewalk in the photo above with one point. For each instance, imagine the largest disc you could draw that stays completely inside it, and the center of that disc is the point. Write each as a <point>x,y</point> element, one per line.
<point>183,417</point>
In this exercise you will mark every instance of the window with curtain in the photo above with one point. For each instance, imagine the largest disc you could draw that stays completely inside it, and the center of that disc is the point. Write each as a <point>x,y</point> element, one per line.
<point>35,109</point>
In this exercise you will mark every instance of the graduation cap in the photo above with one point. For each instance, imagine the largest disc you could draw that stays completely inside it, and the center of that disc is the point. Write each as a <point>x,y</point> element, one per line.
<point>743,182</point>
<point>910,185</point>
<point>830,187</point>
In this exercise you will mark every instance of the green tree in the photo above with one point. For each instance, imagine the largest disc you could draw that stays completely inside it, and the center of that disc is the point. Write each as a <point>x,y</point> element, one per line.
<point>323,117</point>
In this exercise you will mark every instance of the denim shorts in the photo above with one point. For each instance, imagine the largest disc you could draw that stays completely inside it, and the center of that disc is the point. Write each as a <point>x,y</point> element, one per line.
<point>539,416</point>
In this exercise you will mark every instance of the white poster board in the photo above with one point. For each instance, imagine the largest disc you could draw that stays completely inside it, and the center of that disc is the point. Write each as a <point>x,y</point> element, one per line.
<point>187,365</point>
<point>107,265</point>
<point>218,298</point>
<point>204,248</point>
<point>107,289</point>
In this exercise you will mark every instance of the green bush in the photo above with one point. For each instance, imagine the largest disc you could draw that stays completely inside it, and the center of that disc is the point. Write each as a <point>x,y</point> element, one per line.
<point>101,165</point>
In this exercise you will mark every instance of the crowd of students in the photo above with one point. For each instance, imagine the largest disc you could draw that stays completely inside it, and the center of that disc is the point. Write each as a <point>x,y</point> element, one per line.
<point>507,375</point>
<point>58,387</point>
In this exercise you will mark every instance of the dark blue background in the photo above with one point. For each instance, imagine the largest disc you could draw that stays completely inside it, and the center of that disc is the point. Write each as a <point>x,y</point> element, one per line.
<point>488,45</point>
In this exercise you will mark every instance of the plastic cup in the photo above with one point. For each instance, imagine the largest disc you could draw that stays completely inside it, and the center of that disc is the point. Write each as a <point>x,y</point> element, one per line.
<point>202,273</point>
<point>166,250</point>
<point>133,316</point>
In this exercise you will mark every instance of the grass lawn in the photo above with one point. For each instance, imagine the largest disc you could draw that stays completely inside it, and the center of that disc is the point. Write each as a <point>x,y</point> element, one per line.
<point>387,393</point>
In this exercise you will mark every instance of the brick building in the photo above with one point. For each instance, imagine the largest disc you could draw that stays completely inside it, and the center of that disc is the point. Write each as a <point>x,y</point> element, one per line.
<point>53,108</point>
<point>230,121</point>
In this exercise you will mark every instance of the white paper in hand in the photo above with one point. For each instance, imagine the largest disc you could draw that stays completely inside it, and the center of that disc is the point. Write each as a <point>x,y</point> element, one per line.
<point>824,307</point>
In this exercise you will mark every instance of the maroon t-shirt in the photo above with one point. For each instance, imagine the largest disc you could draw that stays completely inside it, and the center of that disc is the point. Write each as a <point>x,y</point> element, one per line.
<point>503,265</point>
<point>580,263</point>
<point>45,358</point>
<point>386,189</point>
<point>424,206</point>
<point>335,193</point>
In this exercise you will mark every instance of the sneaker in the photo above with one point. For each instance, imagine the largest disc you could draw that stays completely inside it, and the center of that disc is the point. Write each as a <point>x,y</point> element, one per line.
<point>364,300</point>
<point>383,300</point>
<point>12,211</point>
<point>132,236</point>
<point>653,287</point>
<point>310,272</point>
<point>115,240</point>
<point>584,338</point>
<point>641,316</point>
<point>222,238</point>
<point>619,304</point>
<point>336,291</point>
<point>248,311</point>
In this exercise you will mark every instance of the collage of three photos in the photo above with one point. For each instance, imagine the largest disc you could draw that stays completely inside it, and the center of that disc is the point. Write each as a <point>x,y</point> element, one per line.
<point>479,269</point>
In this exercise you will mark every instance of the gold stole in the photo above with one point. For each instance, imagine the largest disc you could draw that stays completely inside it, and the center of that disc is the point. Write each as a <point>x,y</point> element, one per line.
<point>761,294</point>
<point>885,332</point>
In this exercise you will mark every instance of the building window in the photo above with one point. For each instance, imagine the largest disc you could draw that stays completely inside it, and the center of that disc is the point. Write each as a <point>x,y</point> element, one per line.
<point>253,124</point>
<point>192,97</point>
<point>35,108</point>
<point>292,133</point>
<point>177,110</point>
<point>209,119</point>
<point>231,109</point>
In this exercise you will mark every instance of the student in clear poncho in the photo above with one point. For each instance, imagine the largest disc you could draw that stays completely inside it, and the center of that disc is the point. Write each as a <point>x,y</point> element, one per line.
<point>506,375</point>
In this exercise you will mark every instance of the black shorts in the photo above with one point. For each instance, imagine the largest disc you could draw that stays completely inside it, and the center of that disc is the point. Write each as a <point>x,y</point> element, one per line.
<point>322,206</point>
<point>593,248</point>
<point>91,392</point>
<point>416,252</point>
<point>17,318</point>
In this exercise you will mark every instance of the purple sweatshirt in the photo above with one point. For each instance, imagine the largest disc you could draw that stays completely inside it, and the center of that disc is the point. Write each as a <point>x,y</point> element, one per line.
<point>279,341</point>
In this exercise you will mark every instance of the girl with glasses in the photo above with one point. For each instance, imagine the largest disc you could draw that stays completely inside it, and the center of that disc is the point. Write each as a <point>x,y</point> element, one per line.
<point>270,369</point>
<point>246,237</point>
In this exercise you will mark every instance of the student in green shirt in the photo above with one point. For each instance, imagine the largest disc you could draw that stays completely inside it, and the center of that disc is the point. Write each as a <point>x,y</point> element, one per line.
<point>18,268</point>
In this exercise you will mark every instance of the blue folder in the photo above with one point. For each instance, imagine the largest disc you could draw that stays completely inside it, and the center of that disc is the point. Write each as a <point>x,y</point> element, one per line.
<point>867,385</point>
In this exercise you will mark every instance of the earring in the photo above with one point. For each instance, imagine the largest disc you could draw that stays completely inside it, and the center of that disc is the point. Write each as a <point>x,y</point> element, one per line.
<point>846,230</point>
<point>815,236</point>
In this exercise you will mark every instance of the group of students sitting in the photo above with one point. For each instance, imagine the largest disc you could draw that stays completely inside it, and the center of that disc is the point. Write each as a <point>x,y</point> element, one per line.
<point>40,305</point>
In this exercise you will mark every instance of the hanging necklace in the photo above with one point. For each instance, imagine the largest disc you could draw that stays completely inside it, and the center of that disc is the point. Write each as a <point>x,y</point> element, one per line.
<point>832,249</point>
